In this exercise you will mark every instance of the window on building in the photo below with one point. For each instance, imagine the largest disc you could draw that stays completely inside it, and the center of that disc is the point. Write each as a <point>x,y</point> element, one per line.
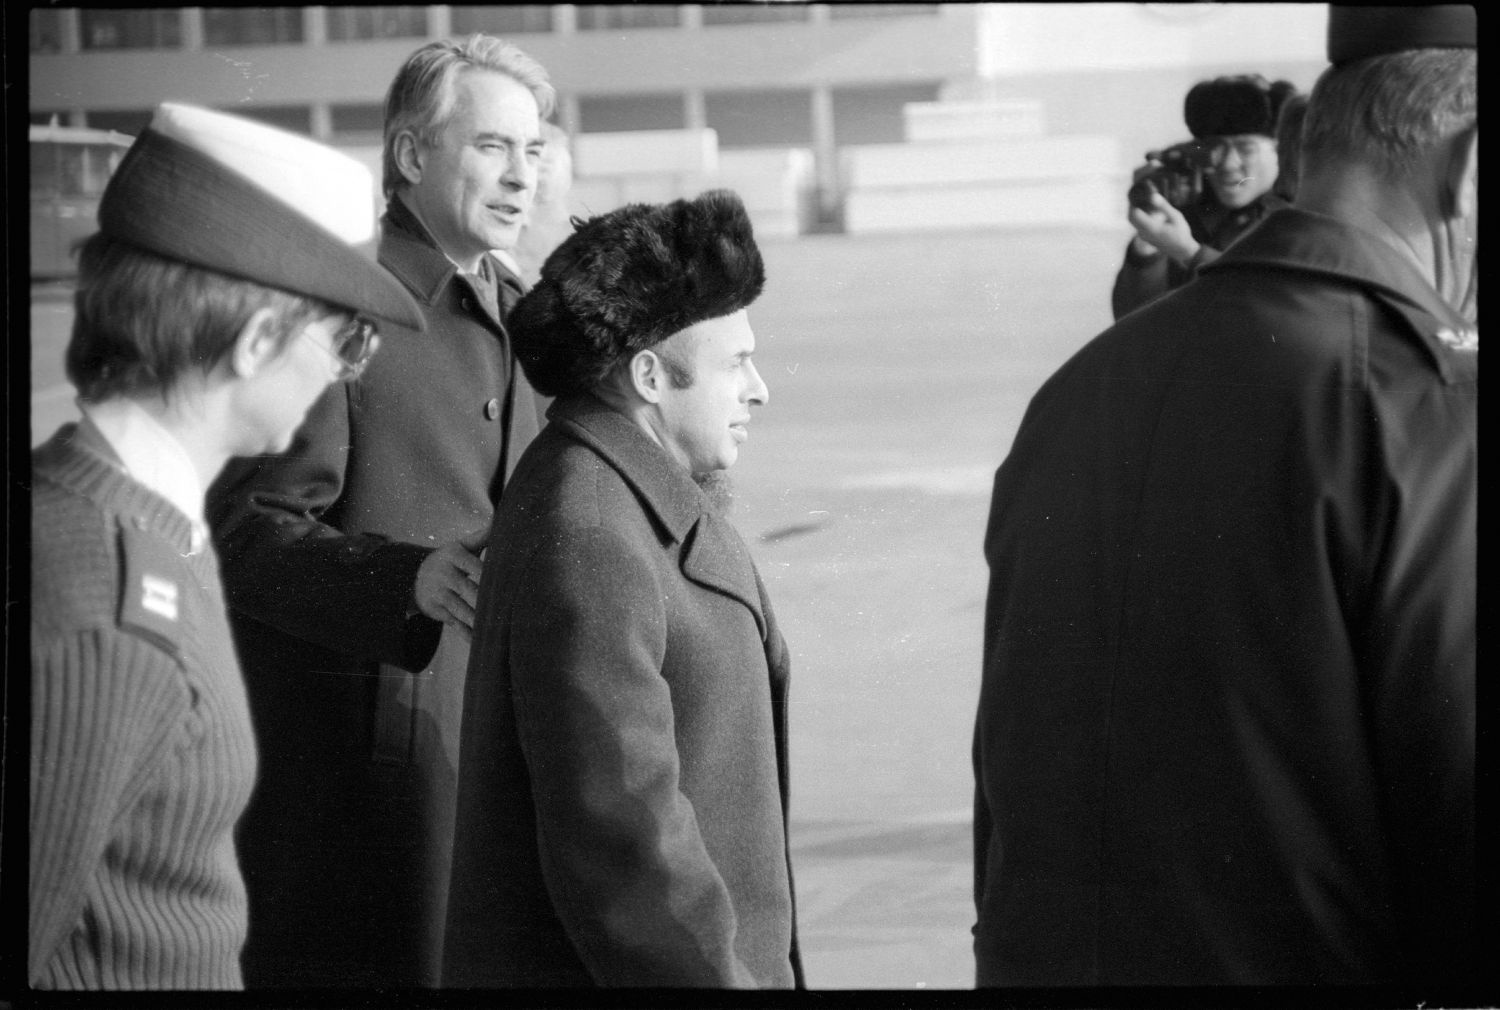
<point>502,19</point>
<point>73,169</point>
<point>251,26</point>
<point>127,121</point>
<point>130,29</point>
<point>758,13</point>
<point>357,122</point>
<point>610,113</point>
<point>760,118</point>
<point>349,23</point>
<point>874,114</point>
<point>46,32</point>
<point>602,17</point>
<point>839,11</point>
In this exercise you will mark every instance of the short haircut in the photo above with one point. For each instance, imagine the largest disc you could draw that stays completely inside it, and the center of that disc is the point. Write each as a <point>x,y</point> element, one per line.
<point>141,321</point>
<point>421,97</point>
<point>1389,111</point>
<point>676,361</point>
<point>1289,147</point>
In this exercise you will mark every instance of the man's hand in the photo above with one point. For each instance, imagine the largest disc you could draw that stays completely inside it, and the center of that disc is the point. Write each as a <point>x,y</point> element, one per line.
<point>1164,228</point>
<point>448,582</point>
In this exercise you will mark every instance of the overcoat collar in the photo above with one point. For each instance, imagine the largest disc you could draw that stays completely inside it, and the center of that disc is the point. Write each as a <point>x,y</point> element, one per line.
<point>1301,240</point>
<point>713,554</point>
<point>410,252</point>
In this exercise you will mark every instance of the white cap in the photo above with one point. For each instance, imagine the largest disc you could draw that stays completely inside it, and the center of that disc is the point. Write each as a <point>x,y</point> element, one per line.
<point>257,203</point>
<point>324,185</point>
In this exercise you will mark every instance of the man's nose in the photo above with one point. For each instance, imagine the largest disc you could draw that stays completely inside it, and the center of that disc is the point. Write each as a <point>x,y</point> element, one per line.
<point>758,392</point>
<point>520,173</point>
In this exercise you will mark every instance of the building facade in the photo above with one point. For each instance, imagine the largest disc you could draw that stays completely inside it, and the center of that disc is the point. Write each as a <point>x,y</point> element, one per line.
<point>815,76</point>
<point>819,80</point>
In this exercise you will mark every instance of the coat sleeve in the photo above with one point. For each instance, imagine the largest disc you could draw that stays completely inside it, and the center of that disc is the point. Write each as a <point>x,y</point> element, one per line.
<point>1140,279</point>
<point>1144,279</point>
<point>286,566</point>
<point>622,856</point>
<point>1419,662</point>
<point>103,708</point>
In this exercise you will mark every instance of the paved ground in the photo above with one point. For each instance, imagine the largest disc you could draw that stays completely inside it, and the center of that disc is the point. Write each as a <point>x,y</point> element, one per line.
<point>899,368</point>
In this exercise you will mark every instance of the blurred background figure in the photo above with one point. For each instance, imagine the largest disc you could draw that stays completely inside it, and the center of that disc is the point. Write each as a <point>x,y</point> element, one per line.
<point>217,301</point>
<point>1289,147</point>
<point>549,221</point>
<point>1189,202</point>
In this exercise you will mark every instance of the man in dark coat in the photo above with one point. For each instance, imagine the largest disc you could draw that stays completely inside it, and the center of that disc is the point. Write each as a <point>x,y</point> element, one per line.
<point>1233,122</point>
<point>346,558</point>
<point>1226,723</point>
<point>623,784</point>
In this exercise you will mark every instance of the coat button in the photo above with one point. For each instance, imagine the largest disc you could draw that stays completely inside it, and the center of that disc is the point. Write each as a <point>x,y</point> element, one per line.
<point>492,409</point>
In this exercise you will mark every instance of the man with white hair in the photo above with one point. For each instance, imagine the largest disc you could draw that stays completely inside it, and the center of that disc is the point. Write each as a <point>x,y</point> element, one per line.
<point>218,300</point>
<point>351,561</point>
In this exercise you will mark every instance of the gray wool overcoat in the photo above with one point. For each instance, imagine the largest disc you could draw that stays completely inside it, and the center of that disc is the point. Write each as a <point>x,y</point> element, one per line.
<point>622,814</point>
<point>355,699</point>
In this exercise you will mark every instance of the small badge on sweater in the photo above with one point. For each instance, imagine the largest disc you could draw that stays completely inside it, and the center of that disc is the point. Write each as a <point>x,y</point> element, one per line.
<point>1466,339</point>
<point>159,596</point>
<point>151,593</point>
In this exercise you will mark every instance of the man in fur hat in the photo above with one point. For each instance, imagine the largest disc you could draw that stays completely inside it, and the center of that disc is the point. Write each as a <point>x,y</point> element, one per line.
<point>622,813</point>
<point>1225,732</point>
<point>1233,122</point>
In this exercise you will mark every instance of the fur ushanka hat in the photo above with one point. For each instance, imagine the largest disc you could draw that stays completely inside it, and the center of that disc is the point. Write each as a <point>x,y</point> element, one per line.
<point>627,280</point>
<point>1226,106</point>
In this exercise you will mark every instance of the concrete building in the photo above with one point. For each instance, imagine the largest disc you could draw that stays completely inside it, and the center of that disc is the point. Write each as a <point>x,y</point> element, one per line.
<point>823,111</point>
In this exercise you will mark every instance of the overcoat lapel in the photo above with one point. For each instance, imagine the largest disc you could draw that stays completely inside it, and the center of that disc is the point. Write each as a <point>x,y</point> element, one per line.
<point>713,555</point>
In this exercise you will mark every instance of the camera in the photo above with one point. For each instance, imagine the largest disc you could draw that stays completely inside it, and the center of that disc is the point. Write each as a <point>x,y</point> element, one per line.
<point>1175,172</point>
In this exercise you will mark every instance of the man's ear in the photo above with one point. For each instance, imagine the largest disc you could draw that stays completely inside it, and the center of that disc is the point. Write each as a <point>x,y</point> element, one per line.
<point>256,345</point>
<point>647,374</point>
<point>1461,179</point>
<point>408,154</point>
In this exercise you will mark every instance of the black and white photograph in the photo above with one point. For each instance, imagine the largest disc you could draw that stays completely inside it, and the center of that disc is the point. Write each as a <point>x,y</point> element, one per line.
<point>594,505</point>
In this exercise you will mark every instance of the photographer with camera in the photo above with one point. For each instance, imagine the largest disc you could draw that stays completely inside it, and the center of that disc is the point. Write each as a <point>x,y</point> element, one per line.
<point>1189,201</point>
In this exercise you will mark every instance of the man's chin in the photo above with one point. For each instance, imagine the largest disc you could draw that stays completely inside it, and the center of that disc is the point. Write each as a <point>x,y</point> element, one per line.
<point>504,239</point>
<point>717,488</point>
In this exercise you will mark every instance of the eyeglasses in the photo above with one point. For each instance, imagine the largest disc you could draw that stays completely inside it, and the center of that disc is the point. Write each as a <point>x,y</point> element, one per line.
<point>353,345</point>
<point>1247,147</point>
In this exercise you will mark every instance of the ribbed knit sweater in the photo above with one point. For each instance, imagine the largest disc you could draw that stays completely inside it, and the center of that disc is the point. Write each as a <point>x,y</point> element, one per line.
<point>142,752</point>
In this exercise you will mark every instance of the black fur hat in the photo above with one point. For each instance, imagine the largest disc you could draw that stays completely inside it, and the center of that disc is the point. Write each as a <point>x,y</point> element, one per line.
<point>1355,32</point>
<point>626,280</point>
<point>1226,106</point>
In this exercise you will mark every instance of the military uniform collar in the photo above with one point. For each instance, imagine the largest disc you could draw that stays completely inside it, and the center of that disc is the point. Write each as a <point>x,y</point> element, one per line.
<point>84,461</point>
<point>1302,240</point>
<point>667,488</point>
<point>150,454</point>
<point>410,252</point>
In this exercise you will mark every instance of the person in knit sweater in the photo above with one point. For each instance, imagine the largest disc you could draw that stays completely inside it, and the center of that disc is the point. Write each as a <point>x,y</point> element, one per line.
<point>209,315</point>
